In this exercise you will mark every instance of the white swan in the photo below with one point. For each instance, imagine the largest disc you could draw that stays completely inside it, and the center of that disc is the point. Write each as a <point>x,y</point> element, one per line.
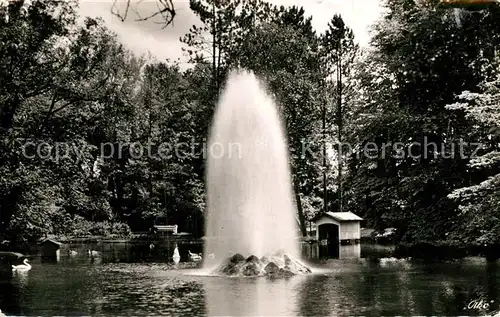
<point>388,261</point>
<point>22,267</point>
<point>176,257</point>
<point>194,256</point>
<point>92,253</point>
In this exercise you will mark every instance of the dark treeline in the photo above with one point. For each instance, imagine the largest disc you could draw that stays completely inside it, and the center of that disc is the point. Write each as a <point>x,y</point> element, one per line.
<point>77,109</point>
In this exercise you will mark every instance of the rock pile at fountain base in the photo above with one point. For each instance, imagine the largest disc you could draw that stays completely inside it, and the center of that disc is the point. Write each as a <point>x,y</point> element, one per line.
<point>277,265</point>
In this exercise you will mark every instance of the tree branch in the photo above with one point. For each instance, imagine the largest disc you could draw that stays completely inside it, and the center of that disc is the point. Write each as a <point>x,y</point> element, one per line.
<point>165,9</point>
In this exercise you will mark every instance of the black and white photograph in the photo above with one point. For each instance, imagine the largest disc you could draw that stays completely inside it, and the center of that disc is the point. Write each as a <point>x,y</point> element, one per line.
<point>250,158</point>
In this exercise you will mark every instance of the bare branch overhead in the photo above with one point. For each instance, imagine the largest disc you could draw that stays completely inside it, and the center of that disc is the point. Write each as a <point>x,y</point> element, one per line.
<point>165,10</point>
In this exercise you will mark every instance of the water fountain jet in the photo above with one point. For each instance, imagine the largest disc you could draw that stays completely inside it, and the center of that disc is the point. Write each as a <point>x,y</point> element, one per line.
<point>250,207</point>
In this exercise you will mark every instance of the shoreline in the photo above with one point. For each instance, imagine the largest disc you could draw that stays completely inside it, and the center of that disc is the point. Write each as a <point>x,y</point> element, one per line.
<point>437,251</point>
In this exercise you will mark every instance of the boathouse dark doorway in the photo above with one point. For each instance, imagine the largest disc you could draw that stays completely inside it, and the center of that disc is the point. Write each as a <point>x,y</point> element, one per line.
<point>329,233</point>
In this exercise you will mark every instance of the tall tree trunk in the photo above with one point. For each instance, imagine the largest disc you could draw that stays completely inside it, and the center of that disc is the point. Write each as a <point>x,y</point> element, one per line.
<point>150,132</point>
<point>8,205</point>
<point>340,127</point>
<point>214,50</point>
<point>219,57</point>
<point>325,197</point>
<point>7,112</point>
<point>300,211</point>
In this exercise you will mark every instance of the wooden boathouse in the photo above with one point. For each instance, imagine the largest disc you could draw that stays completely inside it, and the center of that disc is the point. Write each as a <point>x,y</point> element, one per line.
<point>338,235</point>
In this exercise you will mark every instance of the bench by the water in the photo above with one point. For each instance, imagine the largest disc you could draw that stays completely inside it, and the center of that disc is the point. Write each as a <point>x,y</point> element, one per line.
<point>166,228</point>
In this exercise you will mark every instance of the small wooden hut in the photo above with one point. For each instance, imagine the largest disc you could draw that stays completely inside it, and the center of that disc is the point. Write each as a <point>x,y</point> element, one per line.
<point>338,235</point>
<point>50,250</point>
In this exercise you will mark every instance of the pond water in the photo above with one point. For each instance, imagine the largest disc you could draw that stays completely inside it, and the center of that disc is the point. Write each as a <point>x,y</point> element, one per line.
<point>78,286</point>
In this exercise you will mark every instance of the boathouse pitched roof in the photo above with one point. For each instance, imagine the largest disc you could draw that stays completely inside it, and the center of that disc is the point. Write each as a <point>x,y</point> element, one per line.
<point>51,241</point>
<point>340,216</point>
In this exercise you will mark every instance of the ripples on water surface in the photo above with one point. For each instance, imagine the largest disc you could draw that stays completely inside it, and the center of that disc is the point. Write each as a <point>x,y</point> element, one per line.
<point>74,287</point>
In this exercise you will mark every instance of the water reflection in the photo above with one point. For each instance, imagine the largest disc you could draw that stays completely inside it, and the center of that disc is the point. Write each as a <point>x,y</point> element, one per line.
<point>402,289</point>
<point>312,301</point>
<point>13,288</point>
<point>20,278</point>
<point>75,286</point>
<point>120,252</point>
<point>492,273</point>
<point>251,296</point>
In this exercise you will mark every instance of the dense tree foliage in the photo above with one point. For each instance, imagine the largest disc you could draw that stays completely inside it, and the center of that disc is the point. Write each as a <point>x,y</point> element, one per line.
<point>96,141</point>
<point>423,56</point>
<point>479,213</point>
